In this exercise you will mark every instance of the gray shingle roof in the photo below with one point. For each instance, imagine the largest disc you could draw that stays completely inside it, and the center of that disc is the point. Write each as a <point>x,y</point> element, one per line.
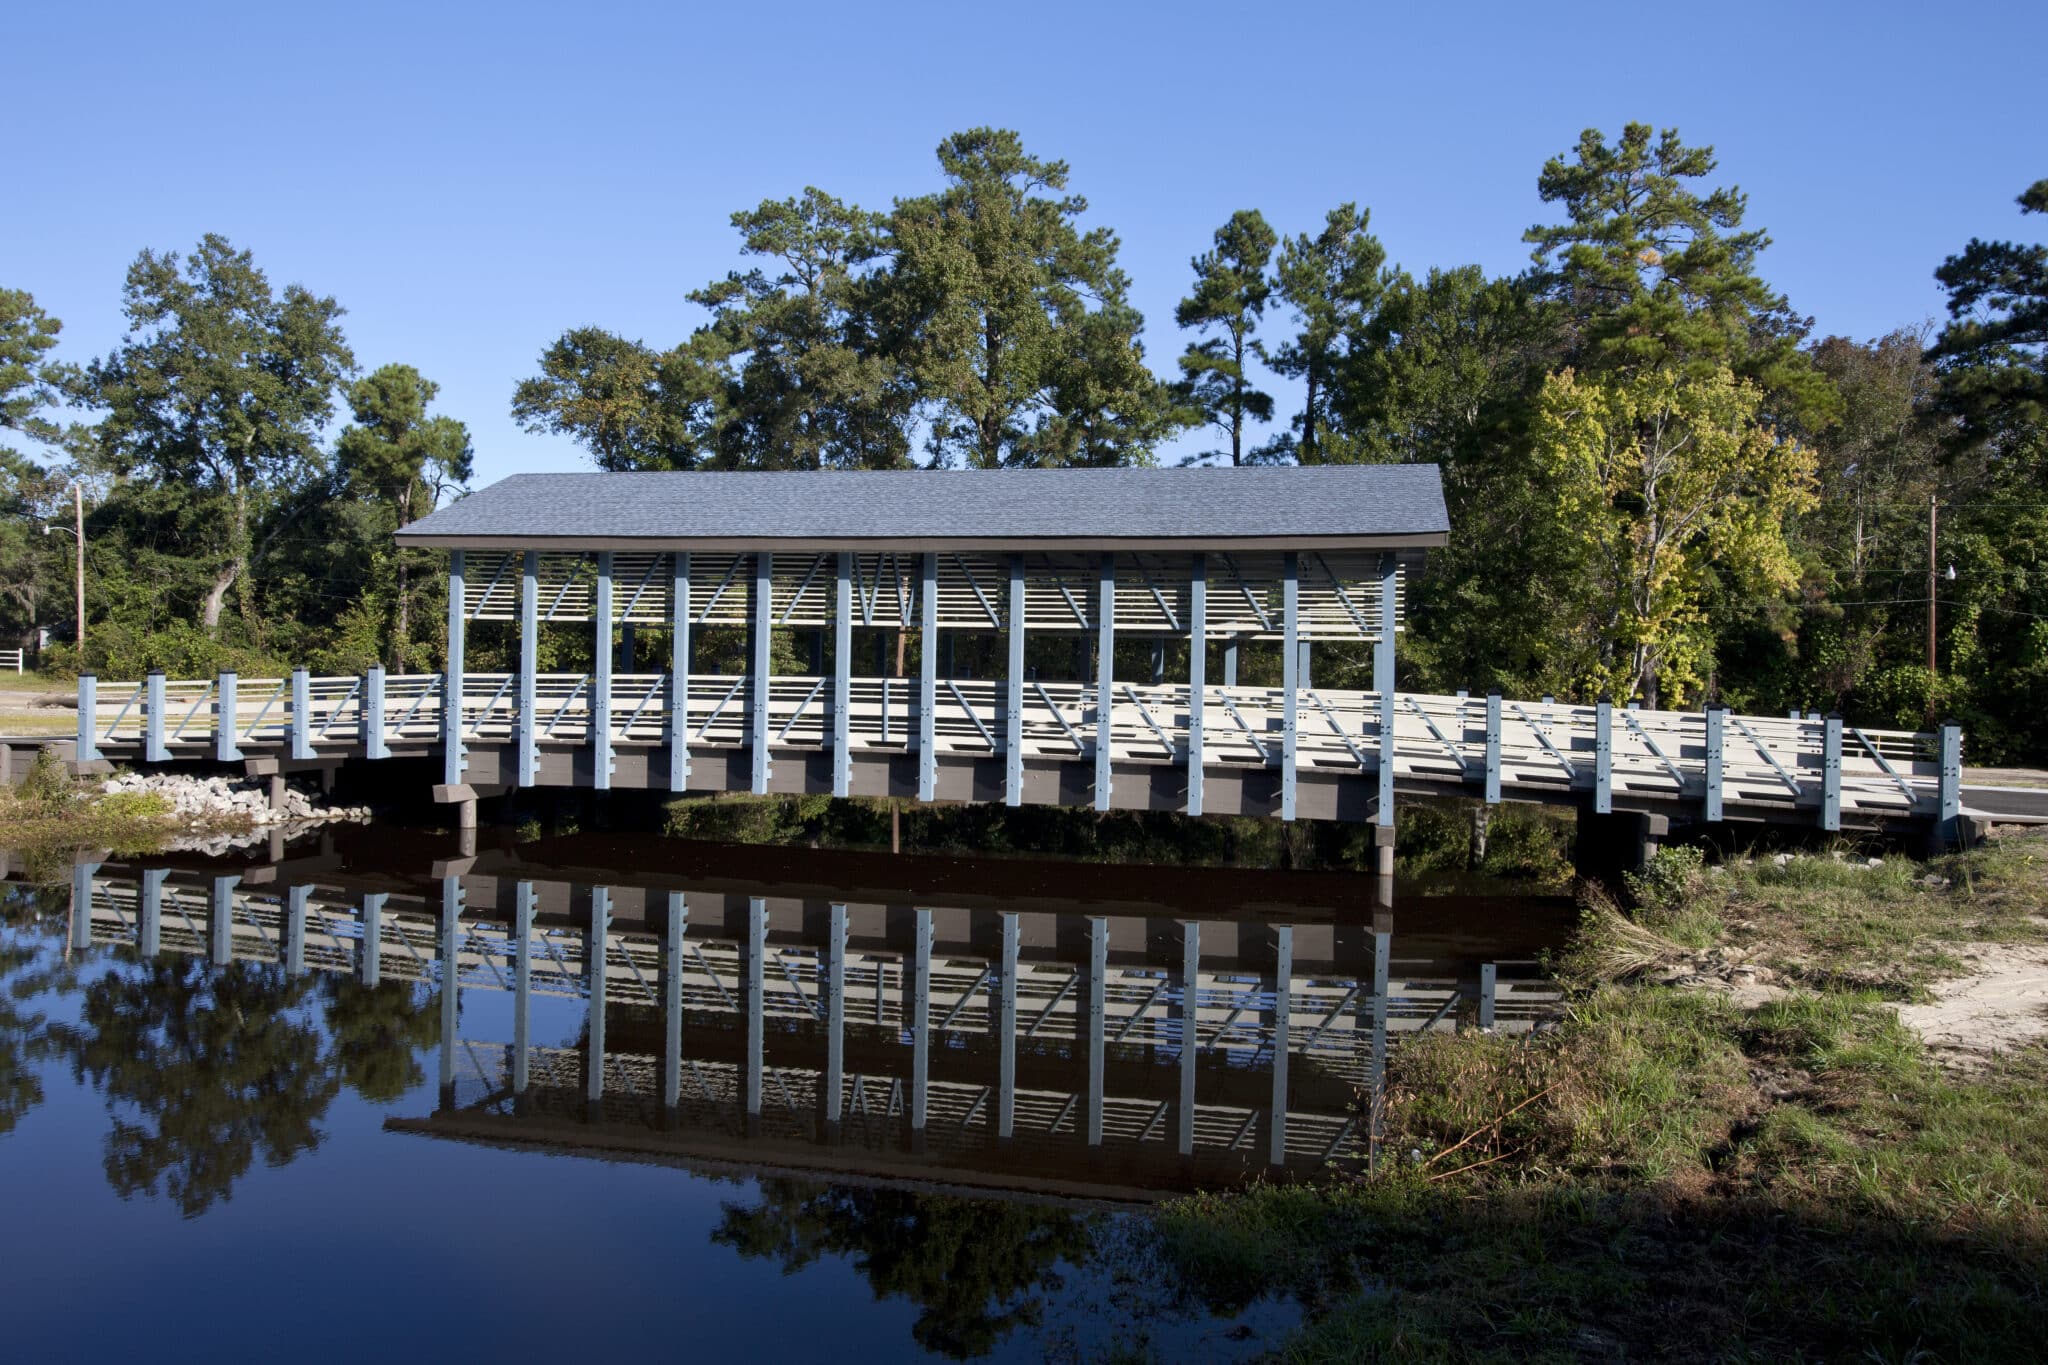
<point>1326,503</point>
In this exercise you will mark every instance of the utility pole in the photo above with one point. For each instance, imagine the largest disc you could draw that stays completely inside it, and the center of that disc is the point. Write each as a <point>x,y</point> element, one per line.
<point>1933,510</point>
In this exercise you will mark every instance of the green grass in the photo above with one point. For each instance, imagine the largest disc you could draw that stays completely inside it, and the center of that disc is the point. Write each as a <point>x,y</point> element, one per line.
<point>49,813</point>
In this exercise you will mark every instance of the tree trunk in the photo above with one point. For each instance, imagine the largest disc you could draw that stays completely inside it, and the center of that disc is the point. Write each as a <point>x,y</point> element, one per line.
<point>216,597</point>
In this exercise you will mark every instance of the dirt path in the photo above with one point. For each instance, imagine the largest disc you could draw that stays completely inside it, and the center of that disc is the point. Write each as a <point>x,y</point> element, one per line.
<point>2000,1004</point>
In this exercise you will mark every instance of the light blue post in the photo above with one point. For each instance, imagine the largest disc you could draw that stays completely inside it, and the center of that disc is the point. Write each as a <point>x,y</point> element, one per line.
<point>1006,1035</point>
<point>153,748</point>
<point>451,678</point>
<point>835,1015</point>
<point>842,678</point>
<point>81,905</point>
<point>1603,757</point>
<point>1831,772</point>
<point>450,955</point>
<point>1098,984</point>
<point>756,966</point>
<point>1013,695</point>
<point>302,714</point>
<point>1283,998</point>
<point>296,901</point>
<point>1290,675</point>
<point>370,961</point>
<point>1198,669</point>
<point>529,669</point>
<point>1493,748</point>
<point>522,985</point>
<point>601,678</point>
<point>1489,990</point>
<point>1383,683</point>
<point>921,1023</point>
<point>1717,718</point>
<point>679,673</point>
<point>88,718</point>
<point>150,912</point>
<point>372,713</point>
<point>764,597</point>
<point>1950,831</point>
<point>1230,662</point>
<point>1190,1029</point>
<point>1105,673</point>
<point>672,944</point>
<point>597,958</point>
<point>227,721</point>
<point>928,680</point>
<point>221,921</point>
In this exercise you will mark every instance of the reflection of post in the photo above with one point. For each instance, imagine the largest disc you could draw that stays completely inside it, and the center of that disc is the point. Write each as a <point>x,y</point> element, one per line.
<point>672,1002</point>
<point>920,1024</point>
<point>596,961</point>
<point>296,900</point>
<point>369,957</point>
<point>1283,1004</point>
<point>757,951</point>
<point>150,904</point>
<point>451,980</point>
<point>522,986</point>
<point>835,1018</point>
<point>1098,980</point>
<point>1190,1029</point>
<point>1376,1076</point>
<point>1006,1031</point>
<point>221,922</point>
<point>81,905</point>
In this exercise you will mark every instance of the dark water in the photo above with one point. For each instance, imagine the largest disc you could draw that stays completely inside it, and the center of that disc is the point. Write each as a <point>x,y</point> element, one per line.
<point>815,1105</point>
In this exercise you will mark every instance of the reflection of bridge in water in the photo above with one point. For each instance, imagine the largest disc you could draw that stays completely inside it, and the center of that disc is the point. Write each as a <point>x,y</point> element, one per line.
<point>730,1013</point>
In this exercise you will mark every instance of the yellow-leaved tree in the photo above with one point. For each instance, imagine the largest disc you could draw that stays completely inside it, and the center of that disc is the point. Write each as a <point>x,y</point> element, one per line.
<point>1662,477</point>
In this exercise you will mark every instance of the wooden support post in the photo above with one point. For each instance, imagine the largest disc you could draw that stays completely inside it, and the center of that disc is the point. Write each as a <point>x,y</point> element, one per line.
<point>1198,666</point>
<point>601,677</point>
<point>1304,676</point>
<point>371,713</point>
<point>451,676</point>
<point>842,678</point>
<point>1283,1003</point>
<point>522,986</point>
<point>679,673</point>
<point>1717,717</point>
<point>227,722</point>
<point>1603,757</point>
<point>153,750</point>
<point>1230,661</point>
<point>761,665</point>
<point>529,670</point>
<point>450,955</point>
<point>297,900</point>
<point>1488,989</point>
<point>1831,772</point>
<point>1383,683</point>
<point>302,714</point>
<point>920,1024</point>
<point>1493,748</point>
<point>370,953</point>
<point>928,680</point>
<point>672,944</point>
<point>597,962</point>
<point>1105,675</point>
<point>1190,1031</point>
<point>1006,1030</point>
<point>221,922</point>
<point>756,968</point>
<point>835,1018</point>
<point>1013,692</point>
<point>1098,984</point>
<point>1949,832</point>
<point>149,909</point>
<point>1290,676</point>
<point>88,718</point>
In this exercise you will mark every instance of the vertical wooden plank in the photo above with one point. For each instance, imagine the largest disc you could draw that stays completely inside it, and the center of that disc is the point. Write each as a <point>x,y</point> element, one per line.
<point>1283,997</point>
<point>679,673</point>
<point>1098,984</point>
<point>761,666</point>
<point>522,986</point>
<point>1013,695</point>
<point>1950,832</point>
<point>302,714</point>
<point>756,968</point>
<point>296,901</point>
<point>150,912</point>
<point>451,980</point>
<point>1190,1030</point>
<point>372,713</point>
<point>221,921</point>
<point>1105,674</point>
<point>921,1023</point>
<point>601,677</point>
<point>1006,1030</point>
<point>1493,748</point>
<point>597,962</point>
<point>842,677</point>
<point>88,747</point>
<point>835,1015</point>
<point>1717,718</point>
<point>672,944</point>
<point>1488,992</point>
<point>928,680</point>
<point>153,750</point>
<point>1290,676</point>
<point>370,953</point>
<point>529,647</point>
<point>1603,757</point>
<point>1383,683</point>
<point>1198,682</point>
<point>451,675</point>
<point>1831,773</point>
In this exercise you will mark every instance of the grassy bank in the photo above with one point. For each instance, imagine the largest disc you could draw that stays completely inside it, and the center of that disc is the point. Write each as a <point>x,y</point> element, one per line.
<point>50,812</point>
<point>1688,1171</point>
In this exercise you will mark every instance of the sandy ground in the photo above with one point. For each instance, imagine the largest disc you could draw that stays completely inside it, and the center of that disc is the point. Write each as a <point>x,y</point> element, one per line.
<point>2001,1004</point>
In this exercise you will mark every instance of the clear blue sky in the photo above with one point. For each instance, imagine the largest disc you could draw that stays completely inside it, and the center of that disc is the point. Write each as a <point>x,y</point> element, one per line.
<point>471,180</point>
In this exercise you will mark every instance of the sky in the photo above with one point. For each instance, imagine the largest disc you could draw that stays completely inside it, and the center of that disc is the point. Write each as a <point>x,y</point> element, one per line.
<point>471,180</point>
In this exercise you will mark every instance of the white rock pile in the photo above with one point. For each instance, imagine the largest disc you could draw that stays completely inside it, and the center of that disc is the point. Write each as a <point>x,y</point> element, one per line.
<point>199,799</point>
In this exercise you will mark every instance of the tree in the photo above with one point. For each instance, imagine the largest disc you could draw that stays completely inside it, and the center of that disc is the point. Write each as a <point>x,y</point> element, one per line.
<point>630,406</point>
<point>1231,290</point>
<point>398,458</point>
<point>1654,275</point>
<point>29,380</point>
<point>223,385</point>
<point>1662,476</point>
<point>1333,281</point>
<point>1993,355</point>
<point>810,381</point>
<point>997,280</point>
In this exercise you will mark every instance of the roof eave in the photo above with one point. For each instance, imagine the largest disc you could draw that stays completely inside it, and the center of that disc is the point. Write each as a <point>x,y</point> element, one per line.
<point>1398,540</point>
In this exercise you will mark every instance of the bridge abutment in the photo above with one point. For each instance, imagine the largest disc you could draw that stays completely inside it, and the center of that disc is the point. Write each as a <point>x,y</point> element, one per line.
<point>1610,844</point>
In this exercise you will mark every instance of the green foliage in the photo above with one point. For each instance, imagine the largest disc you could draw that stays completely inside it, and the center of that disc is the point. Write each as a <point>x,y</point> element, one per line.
<point>1230,295</point>
<point>1668,877</point>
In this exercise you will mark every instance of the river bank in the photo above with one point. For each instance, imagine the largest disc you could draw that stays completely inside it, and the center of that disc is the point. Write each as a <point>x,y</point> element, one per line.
<point>1797,1108</point>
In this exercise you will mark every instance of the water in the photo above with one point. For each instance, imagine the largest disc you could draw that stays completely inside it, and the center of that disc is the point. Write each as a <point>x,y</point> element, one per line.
<point>240,1115</point>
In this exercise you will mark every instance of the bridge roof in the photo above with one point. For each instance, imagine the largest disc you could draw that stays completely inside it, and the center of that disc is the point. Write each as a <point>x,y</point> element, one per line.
<point>1268,507</point>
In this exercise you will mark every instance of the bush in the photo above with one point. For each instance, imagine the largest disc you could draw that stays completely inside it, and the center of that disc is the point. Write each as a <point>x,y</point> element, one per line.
<point>1668,878</point>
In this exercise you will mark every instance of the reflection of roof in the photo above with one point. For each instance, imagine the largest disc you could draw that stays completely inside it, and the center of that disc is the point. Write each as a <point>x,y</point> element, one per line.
<point>1325,505</point>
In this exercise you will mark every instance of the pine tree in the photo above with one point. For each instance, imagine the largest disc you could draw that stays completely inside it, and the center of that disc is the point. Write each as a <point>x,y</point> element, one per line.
<point>1230,295</point>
